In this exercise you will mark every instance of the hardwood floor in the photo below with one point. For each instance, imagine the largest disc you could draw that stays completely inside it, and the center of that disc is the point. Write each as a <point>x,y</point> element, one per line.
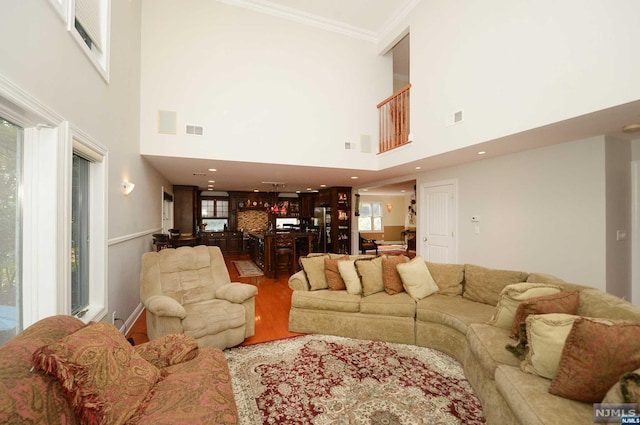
<point>272,307</point>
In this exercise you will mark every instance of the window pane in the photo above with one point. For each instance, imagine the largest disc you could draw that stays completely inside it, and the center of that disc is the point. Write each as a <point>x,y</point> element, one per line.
<point>207,208</point>
<point>365,209</point>
<point>364,223</point>
<point>10,282</point>
<point>222,208</point>
<point>377,223</point>
<point>377,209</point>
<point>80,235</point>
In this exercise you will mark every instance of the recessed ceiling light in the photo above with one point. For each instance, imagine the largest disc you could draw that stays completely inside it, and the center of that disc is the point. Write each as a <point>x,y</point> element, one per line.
<point>212,181</point>
<point>403,191</point>
<point>418,167</point>
<point>212,169</point>
<point>323,185</point>
<point>481,152</point>
<point>354,177</point>
<point>256,190</point>
<point>631,128</point>
<point>365,190</point>
<point>309,188</point>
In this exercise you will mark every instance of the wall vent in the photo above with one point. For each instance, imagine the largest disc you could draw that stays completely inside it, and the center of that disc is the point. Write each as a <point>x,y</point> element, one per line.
<point>454,118</point>
<point>349,145</point>
<point>196,130</point>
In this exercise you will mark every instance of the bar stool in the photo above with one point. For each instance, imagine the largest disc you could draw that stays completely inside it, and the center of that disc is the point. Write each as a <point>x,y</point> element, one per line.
<point>285,252</point>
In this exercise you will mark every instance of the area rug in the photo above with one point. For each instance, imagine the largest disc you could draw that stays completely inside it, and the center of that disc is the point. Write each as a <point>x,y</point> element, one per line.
<point>319,379</point>
<point>247,268</point>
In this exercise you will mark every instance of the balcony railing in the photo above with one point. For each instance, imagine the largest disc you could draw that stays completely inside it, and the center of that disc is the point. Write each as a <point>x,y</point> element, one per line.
<point>394,120</point>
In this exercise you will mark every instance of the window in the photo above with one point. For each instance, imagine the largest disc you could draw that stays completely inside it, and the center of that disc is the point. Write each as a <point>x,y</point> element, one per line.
<point>89,23</point>
<point>10,224</point>
<point>370,218</point>
<point>80,251</point>
<point>215,213</point>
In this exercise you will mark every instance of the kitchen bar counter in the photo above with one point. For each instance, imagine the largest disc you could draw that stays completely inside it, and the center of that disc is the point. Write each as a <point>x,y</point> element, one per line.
<point>261,249</point>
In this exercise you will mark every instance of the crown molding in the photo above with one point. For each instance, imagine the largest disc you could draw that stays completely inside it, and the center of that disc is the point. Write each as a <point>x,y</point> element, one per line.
<point>396,19</point>
<point>269,8</point>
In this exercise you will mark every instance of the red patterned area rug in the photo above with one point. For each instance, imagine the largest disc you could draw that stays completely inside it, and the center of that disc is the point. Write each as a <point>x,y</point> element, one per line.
<point>319,379</point>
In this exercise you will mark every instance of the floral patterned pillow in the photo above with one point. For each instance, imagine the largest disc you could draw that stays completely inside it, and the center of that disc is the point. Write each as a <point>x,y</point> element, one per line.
<point>168,350</point>
<point>104,378</point>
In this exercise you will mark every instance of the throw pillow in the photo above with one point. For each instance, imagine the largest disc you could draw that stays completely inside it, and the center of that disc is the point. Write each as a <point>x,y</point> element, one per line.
<point>417,279</point>
<point>104,378</point>
<point>625,390</point>
<point>484,285</point>
<point>448,277</point>
<point>314,269</point>
<point>168,350</point>
<point>563,302</point>
<point>390,277</point>
<point>595,355</point>
<point>546,335</point>
<point>511,297</point>
<point>332,274</point>
<point>370,272</point>
<point>349,274</point>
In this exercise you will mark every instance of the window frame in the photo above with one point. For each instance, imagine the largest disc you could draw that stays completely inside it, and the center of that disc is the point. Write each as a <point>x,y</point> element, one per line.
<point>372,216</point>
<point>99,58</point>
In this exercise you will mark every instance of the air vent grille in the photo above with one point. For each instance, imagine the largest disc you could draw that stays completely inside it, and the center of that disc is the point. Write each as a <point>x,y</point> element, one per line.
<point>196,130</point>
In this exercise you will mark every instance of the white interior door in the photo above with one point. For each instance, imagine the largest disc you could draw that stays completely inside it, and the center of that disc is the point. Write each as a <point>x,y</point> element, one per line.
<point>438,221</point>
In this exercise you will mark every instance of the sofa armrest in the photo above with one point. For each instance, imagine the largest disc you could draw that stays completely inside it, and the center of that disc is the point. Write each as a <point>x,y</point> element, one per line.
<point>168,350</point>
<point>298,281</point>
<point>164,306</point>
<point>236,292</point>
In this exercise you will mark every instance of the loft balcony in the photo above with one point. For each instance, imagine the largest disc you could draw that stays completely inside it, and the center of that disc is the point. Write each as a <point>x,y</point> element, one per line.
<point>394,120</point>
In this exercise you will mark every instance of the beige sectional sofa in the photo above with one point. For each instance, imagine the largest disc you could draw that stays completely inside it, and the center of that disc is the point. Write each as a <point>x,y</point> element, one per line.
<point>457,320</point>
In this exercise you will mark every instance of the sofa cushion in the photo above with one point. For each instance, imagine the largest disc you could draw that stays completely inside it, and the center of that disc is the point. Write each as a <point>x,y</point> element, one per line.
<point>332,274</point>
<point>205,394</point>
<point>104,378</point>
<point>313,267</point>
<point>326,300</point>
<point>484,285</point>
<point>448,277</point>
<point>544,278</point>
<point>212,317</point>
<point>455,312</point>
<point>511,297</point>
<point>546,335</point>
<point>350,276</point>
<point>370,272</point>
<point>400,305</point>
<point>416,279</point>
<point>562,302</point>
<point>596,303</point>
<point>594,357</point>
<point>390,276</point>
<point>487,344</point>
<point>528,399</point>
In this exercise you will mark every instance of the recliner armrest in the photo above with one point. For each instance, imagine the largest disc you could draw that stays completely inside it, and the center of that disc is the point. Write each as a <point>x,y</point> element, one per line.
<point>161,305</point>
<point>236,292</point>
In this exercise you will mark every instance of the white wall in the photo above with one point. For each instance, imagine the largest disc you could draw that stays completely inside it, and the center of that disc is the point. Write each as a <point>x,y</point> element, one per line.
<point>513,66</point>
<point>265,89</point>
<point>41,58</point>
<point>541,210</point>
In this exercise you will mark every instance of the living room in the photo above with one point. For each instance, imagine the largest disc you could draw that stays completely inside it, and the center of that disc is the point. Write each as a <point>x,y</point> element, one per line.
<point>548,193</point>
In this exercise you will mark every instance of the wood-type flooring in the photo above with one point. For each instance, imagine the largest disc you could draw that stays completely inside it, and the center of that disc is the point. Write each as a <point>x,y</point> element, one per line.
<point>272,307</point>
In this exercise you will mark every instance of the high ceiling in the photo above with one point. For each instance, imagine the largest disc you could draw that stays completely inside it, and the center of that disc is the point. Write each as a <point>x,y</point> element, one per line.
<point>369,19</point>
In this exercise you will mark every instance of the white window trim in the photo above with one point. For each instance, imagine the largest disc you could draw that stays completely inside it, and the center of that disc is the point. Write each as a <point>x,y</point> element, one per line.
<point>100,60</point>
<point>98,295</point>
<point>46,231</point>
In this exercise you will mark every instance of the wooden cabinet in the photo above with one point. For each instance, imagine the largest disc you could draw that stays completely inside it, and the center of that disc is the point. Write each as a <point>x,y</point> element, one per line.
<point>307,204</point>
<point>337,201</point>
<point>185,209</point>
<point>231,243</point>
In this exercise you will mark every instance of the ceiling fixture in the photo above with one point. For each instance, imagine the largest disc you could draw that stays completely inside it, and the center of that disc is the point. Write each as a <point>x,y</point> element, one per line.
<point>212,169</point>
<point>631,128</point>
<point>127,188</point>
<point>354,177</point>
<point>481,152</point>
<point>418,167</point>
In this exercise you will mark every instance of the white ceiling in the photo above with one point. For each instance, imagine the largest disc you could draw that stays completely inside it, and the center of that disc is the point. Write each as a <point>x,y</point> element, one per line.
<point>368,18</point>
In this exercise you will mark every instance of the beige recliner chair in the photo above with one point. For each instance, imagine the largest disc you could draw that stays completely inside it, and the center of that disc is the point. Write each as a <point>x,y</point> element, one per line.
<point>188,290</point>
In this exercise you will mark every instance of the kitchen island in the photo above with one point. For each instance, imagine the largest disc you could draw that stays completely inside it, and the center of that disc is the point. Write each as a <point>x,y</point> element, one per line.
<point>261,247</point>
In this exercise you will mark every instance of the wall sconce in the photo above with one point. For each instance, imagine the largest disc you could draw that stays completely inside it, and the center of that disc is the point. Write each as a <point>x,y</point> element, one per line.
<point>389,207</point>
<point>127,188</point>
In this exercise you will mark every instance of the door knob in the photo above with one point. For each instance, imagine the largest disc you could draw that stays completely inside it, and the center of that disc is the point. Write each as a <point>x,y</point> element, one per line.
<point>424,239</point>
